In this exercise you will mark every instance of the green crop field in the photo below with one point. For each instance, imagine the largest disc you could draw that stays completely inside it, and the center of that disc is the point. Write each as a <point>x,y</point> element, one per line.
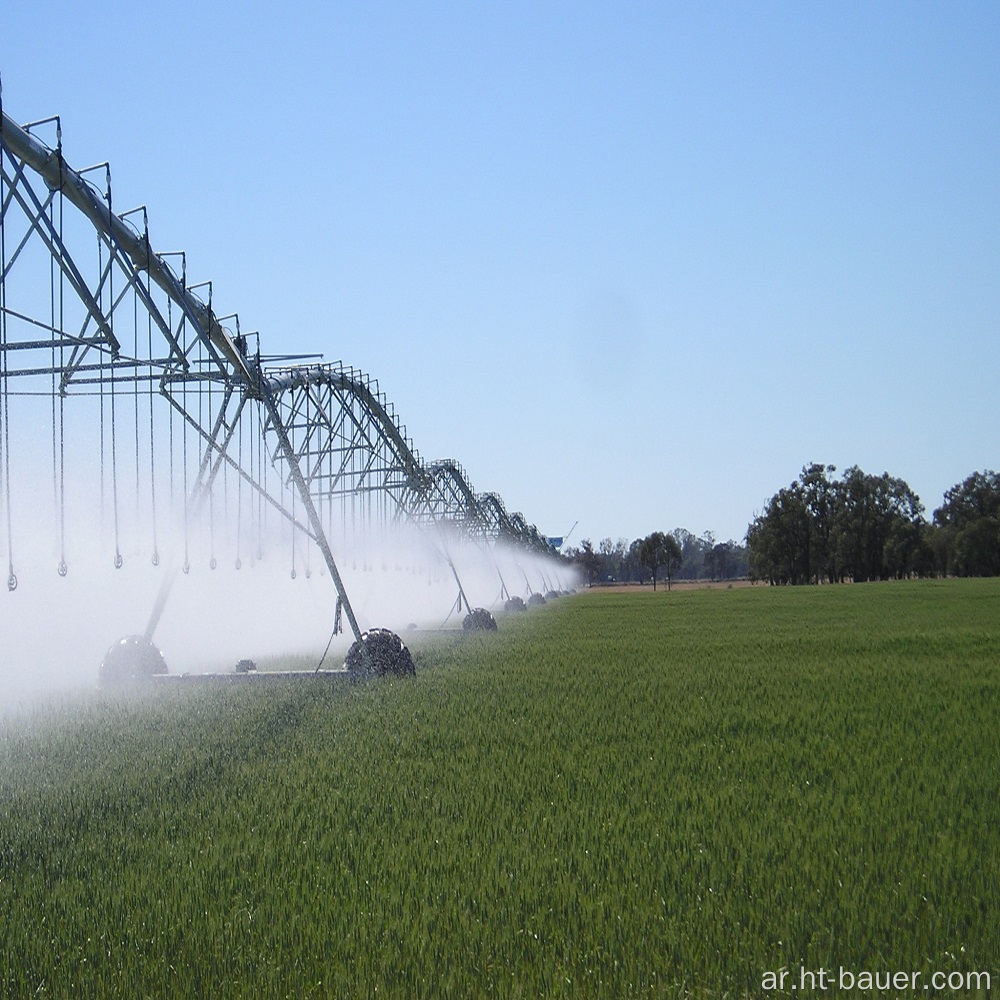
<point>636,794</point>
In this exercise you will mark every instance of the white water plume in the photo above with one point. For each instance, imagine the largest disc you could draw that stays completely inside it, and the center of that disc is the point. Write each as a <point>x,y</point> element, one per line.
<point>255,588</point>
<point>56,629</point>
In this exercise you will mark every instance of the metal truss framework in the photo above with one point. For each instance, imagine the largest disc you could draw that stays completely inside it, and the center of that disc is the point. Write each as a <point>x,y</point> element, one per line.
<point>123,325</point>
<point>363,470</point>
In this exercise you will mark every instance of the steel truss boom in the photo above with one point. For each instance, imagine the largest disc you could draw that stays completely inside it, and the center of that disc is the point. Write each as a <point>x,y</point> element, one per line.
<point>227,361</point>
<point>344,455</point>
<point>50,165</point>
<point>349,443</point>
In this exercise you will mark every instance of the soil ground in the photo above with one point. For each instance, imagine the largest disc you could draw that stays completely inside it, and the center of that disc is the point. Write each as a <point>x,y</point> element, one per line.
<point>674,585</point>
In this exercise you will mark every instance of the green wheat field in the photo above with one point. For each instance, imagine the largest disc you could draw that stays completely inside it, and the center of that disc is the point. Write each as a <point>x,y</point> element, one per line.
<point>616,795</point>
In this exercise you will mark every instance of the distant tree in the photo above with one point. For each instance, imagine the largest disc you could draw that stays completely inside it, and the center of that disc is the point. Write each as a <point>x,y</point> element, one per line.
<point>613,558</point>
<point>710,567</point>
<point>864,527</point>
<point>976,497</point>
<point>819,494</point>
<point>590,560</point>
<point>876,525</point>
<point>940,542</point>
<point>651,553</point>
<point>739,568</point>
<point>721,561</point>
<point>672,557</point>
<point>778,539</point>
<point>658,549</point>
<point>968,527</point>
<point>635,560</point>
<point>977,548</point>
<point>908,550</point>
<point>621,556</point>
<point>626,562</point>
<point>692,554</point>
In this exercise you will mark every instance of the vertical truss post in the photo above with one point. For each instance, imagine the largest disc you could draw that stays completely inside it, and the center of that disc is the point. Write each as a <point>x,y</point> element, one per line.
<point>314,519</point>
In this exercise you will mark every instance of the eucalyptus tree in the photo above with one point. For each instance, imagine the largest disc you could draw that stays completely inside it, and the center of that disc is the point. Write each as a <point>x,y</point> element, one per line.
<point>861,527</point>
<point>968,526</point>
<point>658,549</point>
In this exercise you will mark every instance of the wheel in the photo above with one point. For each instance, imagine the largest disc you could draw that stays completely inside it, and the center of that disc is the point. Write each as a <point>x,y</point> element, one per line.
<point>379,652</point>
<point>130,659</point>
<point>515,604</point>
<point>479,619</point>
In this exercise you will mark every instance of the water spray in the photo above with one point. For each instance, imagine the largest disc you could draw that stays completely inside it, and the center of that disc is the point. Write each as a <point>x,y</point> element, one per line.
<point>347,463</point>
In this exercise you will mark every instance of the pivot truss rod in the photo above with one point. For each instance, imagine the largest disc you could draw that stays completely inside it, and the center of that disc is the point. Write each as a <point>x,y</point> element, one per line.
<point>181,399</point>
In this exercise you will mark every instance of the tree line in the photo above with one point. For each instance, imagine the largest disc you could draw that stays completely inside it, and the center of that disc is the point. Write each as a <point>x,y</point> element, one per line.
<point>675,555</point>
<point>823,529</point>
<point>866,527</point>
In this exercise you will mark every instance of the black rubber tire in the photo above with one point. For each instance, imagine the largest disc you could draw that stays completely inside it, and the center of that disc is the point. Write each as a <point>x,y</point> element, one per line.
<point>379,653</point>
<point>133,658</point>
<point>479,620</point>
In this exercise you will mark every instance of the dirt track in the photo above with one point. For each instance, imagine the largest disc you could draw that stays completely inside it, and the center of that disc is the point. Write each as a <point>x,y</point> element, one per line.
<point>675,585</point>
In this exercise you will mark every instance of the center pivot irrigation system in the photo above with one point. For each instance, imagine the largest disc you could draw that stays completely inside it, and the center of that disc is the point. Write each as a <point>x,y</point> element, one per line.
<point>185,424</point>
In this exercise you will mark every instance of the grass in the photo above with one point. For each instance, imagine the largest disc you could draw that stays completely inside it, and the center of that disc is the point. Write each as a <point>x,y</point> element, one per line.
<point>616,795</point>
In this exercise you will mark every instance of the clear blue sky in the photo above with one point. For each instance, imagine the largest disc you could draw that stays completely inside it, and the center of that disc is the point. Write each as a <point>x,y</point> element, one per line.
<point>632,264</point>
